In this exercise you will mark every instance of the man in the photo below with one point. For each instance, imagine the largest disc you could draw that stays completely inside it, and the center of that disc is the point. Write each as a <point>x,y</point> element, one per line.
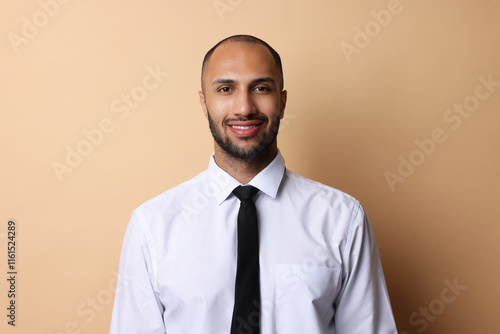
<point>293,256</point>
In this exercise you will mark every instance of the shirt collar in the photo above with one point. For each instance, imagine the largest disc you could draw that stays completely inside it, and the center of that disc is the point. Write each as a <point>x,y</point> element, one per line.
<point>268,180</point>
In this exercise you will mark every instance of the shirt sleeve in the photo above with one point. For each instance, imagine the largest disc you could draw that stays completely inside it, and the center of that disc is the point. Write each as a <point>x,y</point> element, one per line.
<point>363,305</point>
<point>137,308</point>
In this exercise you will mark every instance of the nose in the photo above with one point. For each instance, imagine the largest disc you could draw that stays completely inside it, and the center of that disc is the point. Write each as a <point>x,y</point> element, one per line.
<point>243,104</point>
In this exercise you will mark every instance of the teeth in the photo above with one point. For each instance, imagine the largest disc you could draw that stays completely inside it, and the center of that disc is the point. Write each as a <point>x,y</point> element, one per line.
<point>243,127</point>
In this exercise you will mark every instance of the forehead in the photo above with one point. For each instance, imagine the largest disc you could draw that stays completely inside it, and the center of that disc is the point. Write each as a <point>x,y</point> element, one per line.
<point>237,60</point>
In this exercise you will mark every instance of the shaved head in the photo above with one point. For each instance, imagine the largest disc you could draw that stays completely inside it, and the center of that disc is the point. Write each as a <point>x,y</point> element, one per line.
<point>243,39</point>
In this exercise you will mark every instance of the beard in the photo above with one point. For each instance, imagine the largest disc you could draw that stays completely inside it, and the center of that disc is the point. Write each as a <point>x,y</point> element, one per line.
<point>239,152</point>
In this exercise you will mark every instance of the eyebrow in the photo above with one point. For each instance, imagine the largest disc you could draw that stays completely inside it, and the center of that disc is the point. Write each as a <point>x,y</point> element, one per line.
<point>222,81</point>
<point>264,79</point>
<point>254,81</point>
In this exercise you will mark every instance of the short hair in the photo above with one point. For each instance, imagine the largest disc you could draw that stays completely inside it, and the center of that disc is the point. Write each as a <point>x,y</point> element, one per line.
<point>243,39</point>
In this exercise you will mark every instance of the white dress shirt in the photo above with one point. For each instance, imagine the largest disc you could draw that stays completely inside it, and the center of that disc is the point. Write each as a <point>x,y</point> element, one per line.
<point>320,270</point>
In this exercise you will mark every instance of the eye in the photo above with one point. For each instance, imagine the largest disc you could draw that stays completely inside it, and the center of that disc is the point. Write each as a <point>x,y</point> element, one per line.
<point>262,89</point>
<point>224,90</point>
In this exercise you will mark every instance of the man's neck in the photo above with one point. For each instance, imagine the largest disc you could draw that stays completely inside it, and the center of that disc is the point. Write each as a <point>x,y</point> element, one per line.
<point>244,170</point>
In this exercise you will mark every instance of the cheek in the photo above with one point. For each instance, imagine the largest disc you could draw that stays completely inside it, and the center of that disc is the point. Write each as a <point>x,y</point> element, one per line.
<point>269,107</point>
<point>219,108</point>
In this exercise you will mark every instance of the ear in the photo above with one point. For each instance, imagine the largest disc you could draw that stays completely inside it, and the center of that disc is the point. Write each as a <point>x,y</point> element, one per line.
<point>283,103</point>
<point>203,103</point>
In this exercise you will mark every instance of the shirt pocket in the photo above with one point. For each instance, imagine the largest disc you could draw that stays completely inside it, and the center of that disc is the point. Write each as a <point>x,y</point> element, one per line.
<point>304,298</point>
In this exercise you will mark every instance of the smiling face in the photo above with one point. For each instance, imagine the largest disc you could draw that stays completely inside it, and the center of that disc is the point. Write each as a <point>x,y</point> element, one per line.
<point>242,100</point>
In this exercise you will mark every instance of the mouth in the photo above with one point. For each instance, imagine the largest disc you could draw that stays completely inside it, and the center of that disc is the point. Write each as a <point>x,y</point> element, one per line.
<point>245,128</point>
<point>242,127</point>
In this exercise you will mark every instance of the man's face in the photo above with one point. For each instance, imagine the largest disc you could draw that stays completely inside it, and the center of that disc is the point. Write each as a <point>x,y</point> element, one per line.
<point>242,99</point>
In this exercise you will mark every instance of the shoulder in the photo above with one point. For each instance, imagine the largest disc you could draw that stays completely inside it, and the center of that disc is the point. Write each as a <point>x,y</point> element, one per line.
<point>175,197</point>
<point>313,194</point>
<point>306,186</point>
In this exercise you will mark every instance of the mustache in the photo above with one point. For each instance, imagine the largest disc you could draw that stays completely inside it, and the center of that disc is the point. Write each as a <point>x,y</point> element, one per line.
<point>244,119</point>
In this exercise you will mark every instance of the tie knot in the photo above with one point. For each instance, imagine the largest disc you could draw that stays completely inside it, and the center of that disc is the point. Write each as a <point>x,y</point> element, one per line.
<point>245,192</point>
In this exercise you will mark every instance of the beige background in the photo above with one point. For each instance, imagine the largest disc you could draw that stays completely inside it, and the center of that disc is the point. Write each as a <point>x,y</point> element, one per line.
<point>350,119</point>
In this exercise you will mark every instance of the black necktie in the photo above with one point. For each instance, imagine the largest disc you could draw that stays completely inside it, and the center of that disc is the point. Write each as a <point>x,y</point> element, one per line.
<point>246,313</point>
